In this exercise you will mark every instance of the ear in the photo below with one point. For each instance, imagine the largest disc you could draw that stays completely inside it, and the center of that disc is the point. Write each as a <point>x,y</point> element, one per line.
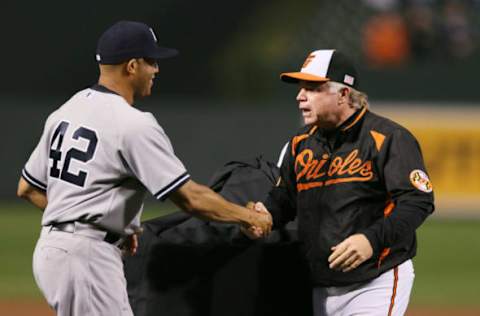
<point>131,66</point>
<point>344,96</point>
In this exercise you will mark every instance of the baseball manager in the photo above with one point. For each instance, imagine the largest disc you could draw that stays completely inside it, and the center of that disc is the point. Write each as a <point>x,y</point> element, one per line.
<point>357,183</point>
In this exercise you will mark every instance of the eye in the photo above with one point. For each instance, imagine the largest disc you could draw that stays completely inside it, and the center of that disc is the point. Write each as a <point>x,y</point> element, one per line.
<point>151,61</point>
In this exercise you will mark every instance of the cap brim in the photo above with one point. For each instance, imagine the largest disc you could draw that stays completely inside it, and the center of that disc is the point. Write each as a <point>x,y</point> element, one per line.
<point>294,77</point>
<point>163,52</point>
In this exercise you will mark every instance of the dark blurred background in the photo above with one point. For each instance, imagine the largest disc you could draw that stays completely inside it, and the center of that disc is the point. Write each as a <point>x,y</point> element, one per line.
<point>415,49</point>
<point>221,98</point>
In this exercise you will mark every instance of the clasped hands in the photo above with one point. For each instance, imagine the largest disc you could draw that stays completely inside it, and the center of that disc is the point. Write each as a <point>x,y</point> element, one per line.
<point>261,221</point>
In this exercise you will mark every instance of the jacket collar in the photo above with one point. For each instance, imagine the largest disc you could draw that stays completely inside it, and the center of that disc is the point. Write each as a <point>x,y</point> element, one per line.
<point>338,134</point>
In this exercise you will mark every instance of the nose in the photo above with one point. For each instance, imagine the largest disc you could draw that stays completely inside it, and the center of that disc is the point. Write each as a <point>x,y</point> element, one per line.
<point>301,95</point>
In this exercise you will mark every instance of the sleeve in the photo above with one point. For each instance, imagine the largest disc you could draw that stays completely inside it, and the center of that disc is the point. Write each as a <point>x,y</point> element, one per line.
<point>35,171</point>
<point>281,200</point>
<point>410,190</point>
<point>149,155</point>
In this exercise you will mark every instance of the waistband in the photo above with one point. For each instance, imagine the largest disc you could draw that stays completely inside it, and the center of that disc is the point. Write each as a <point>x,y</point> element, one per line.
<point>84,229</point>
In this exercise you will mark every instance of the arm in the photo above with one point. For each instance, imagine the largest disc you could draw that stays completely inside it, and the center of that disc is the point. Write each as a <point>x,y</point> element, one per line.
<point>32,194</point>
<point>201,201</point>
<point>281,200</point>
<point>412,205</point>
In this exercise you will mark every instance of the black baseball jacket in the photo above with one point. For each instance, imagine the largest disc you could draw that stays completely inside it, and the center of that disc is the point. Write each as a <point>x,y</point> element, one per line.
<point>367,176</point>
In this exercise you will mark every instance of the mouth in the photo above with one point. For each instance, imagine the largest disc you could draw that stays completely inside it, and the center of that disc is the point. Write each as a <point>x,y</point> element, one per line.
<point>305,112</point>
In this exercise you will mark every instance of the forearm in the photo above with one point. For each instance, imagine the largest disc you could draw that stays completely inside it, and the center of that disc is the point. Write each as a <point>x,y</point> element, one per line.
<point>39,199</point>
<point>31,194</point>
<point>280,206</point>
<point>401,223</point>
<point>203,202</point>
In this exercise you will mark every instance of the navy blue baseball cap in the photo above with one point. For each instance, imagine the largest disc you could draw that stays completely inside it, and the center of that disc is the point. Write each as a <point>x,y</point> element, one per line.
<point>128,39</point>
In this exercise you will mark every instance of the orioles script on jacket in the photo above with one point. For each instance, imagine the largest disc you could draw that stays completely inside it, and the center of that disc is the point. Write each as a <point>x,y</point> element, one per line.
<point>319,173</point>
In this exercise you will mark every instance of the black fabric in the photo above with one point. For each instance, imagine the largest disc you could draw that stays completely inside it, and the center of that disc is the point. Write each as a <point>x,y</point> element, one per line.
<point>186,266</point>
<point>340,66</point>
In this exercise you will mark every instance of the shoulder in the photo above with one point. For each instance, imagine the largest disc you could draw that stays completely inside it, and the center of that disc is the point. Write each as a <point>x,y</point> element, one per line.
<point>381,125</point>
<point>302,134</point>
<point>141,125</point>
<point>386,134</point>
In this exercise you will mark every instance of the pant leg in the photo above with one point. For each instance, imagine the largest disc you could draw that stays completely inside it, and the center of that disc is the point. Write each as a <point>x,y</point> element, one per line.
<point>388,294</point>
<point>80,276</point>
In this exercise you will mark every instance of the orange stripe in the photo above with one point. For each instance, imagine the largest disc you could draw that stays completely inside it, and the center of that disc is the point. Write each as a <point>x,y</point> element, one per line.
<point>356,119</point>
<point>342,180</point>
<point>299,138</point>
<point>394,293</point>
<point>388,209</point>
<point>312,130</point>
<point>383,255</point>
<point>306,186</point>
<point>296,76</point>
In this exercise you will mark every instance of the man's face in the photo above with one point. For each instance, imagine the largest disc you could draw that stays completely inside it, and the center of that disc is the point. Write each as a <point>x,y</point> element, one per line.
<point>147,68</point>
<point>318,104</point>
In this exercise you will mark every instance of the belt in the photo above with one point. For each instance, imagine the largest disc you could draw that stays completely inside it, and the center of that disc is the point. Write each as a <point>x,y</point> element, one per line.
<point>86,230</point>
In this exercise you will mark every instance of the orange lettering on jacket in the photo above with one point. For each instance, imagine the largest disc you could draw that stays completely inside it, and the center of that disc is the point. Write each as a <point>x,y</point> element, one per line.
<point>340,170</point>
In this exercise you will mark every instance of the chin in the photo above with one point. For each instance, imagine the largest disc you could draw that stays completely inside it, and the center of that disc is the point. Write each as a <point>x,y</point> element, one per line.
<point>308,121</point>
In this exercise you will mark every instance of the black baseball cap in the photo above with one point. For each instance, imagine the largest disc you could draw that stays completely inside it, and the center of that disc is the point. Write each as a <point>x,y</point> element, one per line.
<point>325,65</point>
<point>128,39</point>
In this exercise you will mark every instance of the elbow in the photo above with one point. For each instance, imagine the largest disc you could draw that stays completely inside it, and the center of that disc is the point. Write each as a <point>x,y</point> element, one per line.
<point>23,189</point>
<point>22,193</point>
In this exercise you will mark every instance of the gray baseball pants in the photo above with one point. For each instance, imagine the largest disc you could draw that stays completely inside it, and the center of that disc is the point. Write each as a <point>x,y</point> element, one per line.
<point>80,274</point>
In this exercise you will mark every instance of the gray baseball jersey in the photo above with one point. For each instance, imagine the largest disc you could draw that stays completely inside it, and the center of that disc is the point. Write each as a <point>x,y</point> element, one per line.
<point>96,159</point>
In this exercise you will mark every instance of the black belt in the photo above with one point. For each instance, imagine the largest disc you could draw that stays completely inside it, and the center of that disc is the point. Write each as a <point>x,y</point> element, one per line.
<point>69,227</point>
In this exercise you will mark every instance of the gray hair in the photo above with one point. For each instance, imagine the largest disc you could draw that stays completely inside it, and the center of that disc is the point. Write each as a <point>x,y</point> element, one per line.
<point>358,99</point>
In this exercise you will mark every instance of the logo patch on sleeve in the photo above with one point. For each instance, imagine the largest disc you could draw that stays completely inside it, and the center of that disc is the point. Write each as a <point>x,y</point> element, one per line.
<point>420,180</point>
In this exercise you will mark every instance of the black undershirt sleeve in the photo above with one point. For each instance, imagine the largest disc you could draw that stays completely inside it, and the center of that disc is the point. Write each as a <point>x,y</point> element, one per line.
<point>281,201</point>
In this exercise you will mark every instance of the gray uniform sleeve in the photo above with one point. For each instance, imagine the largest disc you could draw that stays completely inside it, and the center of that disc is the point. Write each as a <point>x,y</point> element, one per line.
<point>149,155</point>
<point>36,168</point>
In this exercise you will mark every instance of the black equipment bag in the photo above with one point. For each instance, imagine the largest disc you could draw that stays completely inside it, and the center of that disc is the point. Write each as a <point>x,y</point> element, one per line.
<point>188,267</point>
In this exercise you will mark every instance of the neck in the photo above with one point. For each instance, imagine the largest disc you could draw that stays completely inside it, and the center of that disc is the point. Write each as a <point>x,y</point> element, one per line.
<point>345,115</point>
<point>120,87</point>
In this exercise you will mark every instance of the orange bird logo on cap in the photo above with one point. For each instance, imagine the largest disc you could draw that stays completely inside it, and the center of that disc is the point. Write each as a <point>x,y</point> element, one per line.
<point>308,60</point>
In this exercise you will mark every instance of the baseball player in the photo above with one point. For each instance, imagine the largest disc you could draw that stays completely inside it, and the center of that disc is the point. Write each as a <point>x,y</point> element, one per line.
<point>358,185</point>
<point>94,163</point>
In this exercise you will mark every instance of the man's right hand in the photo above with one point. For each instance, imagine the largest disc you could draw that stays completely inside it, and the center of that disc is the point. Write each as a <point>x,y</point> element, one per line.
<point>260,221</point>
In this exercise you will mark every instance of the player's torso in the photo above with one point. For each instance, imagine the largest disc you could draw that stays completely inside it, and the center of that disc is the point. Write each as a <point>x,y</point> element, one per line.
<point>339,185</point>
<point>87,179</point>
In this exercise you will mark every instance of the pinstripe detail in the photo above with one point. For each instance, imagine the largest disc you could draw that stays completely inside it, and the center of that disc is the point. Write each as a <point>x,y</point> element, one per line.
<point>162,194</point>
<point>394,292</point>
<point>32,181</point>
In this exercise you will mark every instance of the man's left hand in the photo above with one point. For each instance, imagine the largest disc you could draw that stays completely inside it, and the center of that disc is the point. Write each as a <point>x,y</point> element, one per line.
<point>350,253</point>
<point>130,245</point>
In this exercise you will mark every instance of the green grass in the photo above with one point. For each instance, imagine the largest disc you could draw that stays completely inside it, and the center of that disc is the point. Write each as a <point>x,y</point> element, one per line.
<point>447,265</point>
<point>19,230</point>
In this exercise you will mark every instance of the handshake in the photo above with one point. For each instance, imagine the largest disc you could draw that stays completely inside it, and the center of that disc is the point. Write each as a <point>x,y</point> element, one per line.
<point>260,221</point>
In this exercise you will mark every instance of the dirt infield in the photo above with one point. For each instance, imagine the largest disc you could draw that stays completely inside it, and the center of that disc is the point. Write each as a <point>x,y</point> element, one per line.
<point>39,308</point>
<point>25,308</point>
